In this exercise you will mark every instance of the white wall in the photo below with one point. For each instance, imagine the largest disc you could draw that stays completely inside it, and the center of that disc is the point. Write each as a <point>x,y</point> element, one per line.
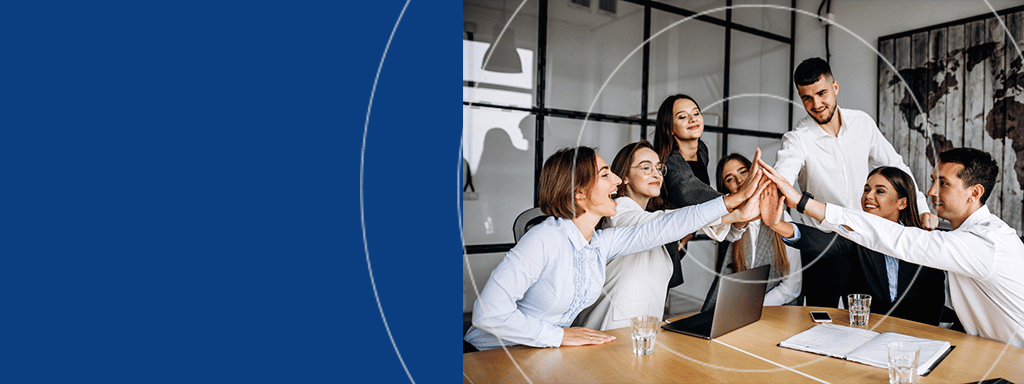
<point>854,64</point>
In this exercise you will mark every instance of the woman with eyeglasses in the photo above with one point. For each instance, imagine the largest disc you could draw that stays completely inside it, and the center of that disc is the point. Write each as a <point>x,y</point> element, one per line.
<point>634,284</point>
<point>558,267</point>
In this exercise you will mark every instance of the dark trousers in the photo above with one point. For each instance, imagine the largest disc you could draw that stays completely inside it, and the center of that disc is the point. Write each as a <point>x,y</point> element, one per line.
<point>824,279</point>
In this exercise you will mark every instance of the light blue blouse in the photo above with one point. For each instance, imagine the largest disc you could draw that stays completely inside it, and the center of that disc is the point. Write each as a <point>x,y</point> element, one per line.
<point>552,274</point>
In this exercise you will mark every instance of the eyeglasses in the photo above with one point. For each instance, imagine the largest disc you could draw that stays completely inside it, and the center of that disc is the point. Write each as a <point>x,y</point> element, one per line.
<point>649,168</point>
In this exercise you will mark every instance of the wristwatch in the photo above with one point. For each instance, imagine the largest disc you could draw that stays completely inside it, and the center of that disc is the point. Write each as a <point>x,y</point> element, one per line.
<point>803,201</point>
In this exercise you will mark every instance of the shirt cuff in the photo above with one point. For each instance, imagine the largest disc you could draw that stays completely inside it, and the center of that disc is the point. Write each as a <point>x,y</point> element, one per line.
<point>796,235</point>
<point>716,230</point>
<point>833,215</point>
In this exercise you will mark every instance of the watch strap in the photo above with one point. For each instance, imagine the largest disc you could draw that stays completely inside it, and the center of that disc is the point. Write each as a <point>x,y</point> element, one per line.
<point>803,201</point>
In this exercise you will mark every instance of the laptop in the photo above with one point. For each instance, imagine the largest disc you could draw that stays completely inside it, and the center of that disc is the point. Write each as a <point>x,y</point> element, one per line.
<point>740,300</point>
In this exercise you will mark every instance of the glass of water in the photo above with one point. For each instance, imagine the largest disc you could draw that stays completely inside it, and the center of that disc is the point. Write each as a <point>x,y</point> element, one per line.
<point>903,358</point>
<point>645,332</point>
<point>860,308</point>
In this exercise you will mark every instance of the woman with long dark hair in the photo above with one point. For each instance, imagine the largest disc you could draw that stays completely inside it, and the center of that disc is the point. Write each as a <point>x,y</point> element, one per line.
<point>898,288</point>
<point>759,245</point>
<point>677,134</point>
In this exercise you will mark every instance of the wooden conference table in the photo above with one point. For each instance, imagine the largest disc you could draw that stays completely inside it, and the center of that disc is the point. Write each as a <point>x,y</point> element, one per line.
<point>747,355</point>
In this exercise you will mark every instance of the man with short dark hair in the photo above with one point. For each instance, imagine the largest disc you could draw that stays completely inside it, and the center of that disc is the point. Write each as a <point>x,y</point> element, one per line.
<point>983,256</point>
<point>832,150</point>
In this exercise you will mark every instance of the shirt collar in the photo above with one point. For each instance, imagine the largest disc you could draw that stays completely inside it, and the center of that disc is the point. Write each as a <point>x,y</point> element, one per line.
<point>575,236</point>
<point>818,131</point>
<point>977,216</point>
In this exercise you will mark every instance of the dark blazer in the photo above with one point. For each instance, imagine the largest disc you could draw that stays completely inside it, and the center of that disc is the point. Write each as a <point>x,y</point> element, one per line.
<point>682,187</point>
<point>922,301</point>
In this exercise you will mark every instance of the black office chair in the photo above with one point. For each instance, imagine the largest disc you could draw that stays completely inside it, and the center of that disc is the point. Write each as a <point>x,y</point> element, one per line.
<point>523,223</point>
<point>527,220</point>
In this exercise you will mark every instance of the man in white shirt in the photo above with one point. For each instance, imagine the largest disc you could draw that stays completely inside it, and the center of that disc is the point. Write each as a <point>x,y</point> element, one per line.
<point>832,150</point>
<point>983,256</point>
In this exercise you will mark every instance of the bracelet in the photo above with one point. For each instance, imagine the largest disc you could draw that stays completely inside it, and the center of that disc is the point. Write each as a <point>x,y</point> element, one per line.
<point>803,201</point>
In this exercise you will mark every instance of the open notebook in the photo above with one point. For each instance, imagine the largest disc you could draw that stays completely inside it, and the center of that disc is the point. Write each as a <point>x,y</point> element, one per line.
<point>864,346</point>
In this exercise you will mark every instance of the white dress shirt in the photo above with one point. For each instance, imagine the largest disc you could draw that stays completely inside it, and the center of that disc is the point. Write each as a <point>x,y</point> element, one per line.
<point>834,168</point>
<point>553,273</point>
<point>635,284</point>
<point>984,259</point>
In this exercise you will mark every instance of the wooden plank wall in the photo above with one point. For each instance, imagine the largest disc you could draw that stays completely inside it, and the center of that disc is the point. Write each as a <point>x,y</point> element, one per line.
<point>958,85</point>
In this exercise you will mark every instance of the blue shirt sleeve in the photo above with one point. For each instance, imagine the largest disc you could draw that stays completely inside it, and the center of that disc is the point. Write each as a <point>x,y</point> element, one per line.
<point>796,235</point>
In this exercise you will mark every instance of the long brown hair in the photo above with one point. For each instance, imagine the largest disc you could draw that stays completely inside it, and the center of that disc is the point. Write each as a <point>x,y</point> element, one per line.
<point>904,188</point>
<point>739,250</point>
<point>621,166</point>
<point>664,141</point>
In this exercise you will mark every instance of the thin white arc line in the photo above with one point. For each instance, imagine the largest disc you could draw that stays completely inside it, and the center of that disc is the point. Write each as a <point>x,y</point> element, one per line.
<point>458,210</point>
<point>746,95</point>
<point>362,206</point>
<point>926,125</point>
<point>774,363</point>
<point>579,138</point>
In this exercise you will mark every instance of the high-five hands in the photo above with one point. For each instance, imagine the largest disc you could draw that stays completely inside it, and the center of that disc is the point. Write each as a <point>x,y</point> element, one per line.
<point>744,205</point>
<point>772,205</point>
<point>749,187</point>
<point>814,208</point>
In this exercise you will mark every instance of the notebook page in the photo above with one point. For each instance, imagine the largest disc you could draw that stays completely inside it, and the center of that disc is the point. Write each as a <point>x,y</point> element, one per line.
<point>829,339</point>
<point>875,353</point>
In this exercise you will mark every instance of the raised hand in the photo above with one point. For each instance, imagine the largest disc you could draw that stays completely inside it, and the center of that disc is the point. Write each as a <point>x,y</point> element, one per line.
<point>749,187</point>
<point>772,206</point>
<point>749,210</point>
<point>784,186</point>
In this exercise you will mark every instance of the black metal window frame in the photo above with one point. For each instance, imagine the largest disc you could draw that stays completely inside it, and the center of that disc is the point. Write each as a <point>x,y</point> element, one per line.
<point>540,111</point>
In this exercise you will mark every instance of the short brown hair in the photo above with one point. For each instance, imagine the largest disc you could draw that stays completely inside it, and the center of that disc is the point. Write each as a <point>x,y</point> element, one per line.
<point>564,173</point>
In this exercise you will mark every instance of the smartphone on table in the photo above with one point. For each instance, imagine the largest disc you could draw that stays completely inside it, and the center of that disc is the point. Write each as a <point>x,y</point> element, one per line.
<point>821,317</point>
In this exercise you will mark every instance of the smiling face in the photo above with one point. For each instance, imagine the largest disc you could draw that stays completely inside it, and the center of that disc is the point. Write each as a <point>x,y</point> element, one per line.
<point>687,122</point>
<point>639,184</point>
<point>881,199</point>
<point>600,198</point>
<point>734,173</point>
<point>819,99</point>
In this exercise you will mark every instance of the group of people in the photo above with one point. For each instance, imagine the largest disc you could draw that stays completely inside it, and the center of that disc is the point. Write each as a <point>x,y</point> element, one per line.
<point>609,249</point>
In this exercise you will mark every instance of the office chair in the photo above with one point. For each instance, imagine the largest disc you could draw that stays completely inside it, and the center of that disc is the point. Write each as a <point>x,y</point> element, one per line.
<point>527,220</point>
<point>523,223</point>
